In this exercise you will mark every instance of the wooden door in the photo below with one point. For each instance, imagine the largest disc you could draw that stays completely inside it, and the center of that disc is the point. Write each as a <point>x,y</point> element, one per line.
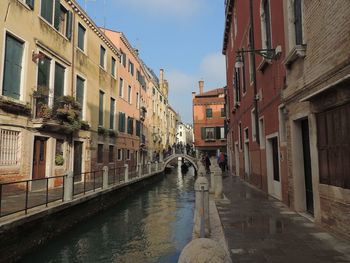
<point>307,166</point>
<point>39,158</point>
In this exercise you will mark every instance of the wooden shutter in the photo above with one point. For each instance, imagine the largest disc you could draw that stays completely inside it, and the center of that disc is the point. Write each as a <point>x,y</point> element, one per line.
<point>111,114</point>
<point>203,133</point>
<point>13,67</point>
<point>57,18</point>
<point>138,128</point>
<point>69,25</point>
<point>59,81</point>
<point>100,112</point>
<point>30,3</point>
<point>80,91</point>
<point>46,10</point>
<point>217,133</point>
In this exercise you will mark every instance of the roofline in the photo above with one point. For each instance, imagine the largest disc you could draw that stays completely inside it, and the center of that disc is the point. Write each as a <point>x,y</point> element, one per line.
<point>228,22</point>
<point>85,17</point>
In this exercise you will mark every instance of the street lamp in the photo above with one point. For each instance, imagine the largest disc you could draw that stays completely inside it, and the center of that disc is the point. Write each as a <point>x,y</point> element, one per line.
<point>265,53</point>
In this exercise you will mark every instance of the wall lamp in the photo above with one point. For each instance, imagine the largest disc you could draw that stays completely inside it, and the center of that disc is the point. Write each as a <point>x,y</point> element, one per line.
<point>265,53</point>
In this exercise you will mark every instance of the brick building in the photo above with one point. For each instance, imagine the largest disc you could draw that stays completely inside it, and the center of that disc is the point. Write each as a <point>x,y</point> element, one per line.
<point>254,84</point>
<point>208,120</point>
<point>316,98</point>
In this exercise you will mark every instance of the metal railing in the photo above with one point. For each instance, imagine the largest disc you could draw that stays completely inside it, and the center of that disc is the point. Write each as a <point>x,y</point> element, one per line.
<point>87,181</point>
<point>26,194</point>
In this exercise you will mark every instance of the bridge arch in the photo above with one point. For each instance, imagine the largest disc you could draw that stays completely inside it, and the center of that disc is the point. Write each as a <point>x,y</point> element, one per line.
<point>185,156</point>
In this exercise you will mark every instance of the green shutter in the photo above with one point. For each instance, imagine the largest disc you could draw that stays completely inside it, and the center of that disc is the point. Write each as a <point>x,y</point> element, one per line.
<point>57,21</point>
<point>111,114</point>
<point>30,3</point>
<point>203,133</point>
<point>46,10</point>
<point>59,81</point>
<point>12,67</point>
<point>100,111</point>
<point>123,119</point>
<point>80,91</point>
<point>217,132</point>
<point>69,25</point>
<point>138,128</point>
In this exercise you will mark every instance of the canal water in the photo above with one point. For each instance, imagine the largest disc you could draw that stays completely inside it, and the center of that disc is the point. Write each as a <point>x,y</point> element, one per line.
<point>152,226</point>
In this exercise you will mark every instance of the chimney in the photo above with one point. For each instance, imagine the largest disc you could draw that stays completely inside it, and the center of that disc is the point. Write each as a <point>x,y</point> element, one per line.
<point>193,94</point>
<point>161,75</point>
<point>201,84</point>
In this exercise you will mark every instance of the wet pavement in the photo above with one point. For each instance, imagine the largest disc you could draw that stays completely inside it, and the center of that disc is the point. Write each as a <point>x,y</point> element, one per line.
<point>259,228</point>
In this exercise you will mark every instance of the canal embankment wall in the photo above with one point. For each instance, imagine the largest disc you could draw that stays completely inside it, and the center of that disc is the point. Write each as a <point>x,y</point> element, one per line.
<point>21,234</point>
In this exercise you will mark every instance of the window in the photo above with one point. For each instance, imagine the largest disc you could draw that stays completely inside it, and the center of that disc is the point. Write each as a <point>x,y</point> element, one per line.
<point>180,133</point>
<point>58,16</point>
<point>44,66</point>
<point>137,100</point>
<point>59,152</point>
<point>100,153</point>
<point>59,81</point>
<point>81,37</point>
<point>138,128</point>
<point>160,98</point>
<point>120,154</point>
<point>9,147</point>
<point>240,136</point>
<point>262,133</point>
<point>111,154</point>
<point>222,133</point>
<point>121,87</point>
<point>100,108</point>
<point>121,125</point>
<point>298,22</point>
<point>153,91</point>
<point>80,87</point>
<point>113,70</point>
<point>102,56</point>
<point>130,125</point>
<point>128,154</point>
<point>209,133</point>
<point>209,113</point>
<point>11,85</point>
<point>123,58</point>
<point>266,24</point>
<point>30,3</point>
<point>253,124</point>
<point>131,68</point>
<point>223,112</point>
<point>129,94</point>
<point>238,84</point>
<point>111,114</point>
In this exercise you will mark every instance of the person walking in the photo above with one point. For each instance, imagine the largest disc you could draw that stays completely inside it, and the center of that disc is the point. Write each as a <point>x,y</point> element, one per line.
<point>207,163</point>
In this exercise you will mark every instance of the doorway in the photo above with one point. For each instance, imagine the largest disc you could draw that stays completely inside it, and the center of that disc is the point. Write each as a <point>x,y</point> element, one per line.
<point>237,158</point>
<point>307,166</point>
<point>39,163</point>
<point>273,167</point>
<point>78,160</point>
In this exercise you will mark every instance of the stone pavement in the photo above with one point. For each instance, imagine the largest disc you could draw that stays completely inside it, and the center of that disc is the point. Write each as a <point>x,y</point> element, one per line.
<point>259,228</point>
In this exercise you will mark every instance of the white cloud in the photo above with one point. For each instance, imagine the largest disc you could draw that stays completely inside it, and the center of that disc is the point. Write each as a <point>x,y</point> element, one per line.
<point>181,84</point>
<point>181,8</point>
<point>213,70</point>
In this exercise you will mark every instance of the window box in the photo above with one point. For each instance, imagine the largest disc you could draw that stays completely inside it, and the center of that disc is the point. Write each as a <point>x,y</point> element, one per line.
<point>15,107</point>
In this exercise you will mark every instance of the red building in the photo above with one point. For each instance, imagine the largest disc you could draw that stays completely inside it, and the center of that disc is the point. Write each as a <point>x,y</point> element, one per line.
<point>208,120</point>
<point>253,46</point>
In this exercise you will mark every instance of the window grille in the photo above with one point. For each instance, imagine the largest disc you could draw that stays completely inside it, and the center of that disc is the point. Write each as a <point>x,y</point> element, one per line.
<point>9,147</point>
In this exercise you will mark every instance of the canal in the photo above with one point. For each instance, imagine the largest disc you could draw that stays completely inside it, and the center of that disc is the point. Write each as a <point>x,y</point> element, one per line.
<point>152,226</point>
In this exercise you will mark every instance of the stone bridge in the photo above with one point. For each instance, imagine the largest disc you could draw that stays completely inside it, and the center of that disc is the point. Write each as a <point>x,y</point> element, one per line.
<point>175,155</point>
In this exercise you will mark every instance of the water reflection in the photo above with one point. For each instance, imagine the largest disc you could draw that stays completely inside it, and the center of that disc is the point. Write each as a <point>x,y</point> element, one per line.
<point>152,226</point>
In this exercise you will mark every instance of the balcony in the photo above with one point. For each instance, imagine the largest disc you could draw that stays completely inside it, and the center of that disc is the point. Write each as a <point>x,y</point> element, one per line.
<point>63,117</point>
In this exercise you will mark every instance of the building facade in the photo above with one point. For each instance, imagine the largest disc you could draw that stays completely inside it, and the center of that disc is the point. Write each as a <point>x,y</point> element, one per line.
<point>208,120</point>
<point>53,53</point>
<point>185,134</point>
<point>254,83</point>
<point>316,99</point>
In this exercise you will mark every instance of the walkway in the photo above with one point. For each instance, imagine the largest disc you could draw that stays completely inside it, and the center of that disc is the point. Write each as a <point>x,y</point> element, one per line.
<point>259,228</point>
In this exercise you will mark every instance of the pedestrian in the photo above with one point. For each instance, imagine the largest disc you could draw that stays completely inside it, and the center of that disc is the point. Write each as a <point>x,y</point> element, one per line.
<point>221,161</point>
<point>207,163</point>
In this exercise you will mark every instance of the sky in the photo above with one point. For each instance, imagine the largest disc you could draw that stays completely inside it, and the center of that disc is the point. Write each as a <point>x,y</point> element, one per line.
<point>183,37</point>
